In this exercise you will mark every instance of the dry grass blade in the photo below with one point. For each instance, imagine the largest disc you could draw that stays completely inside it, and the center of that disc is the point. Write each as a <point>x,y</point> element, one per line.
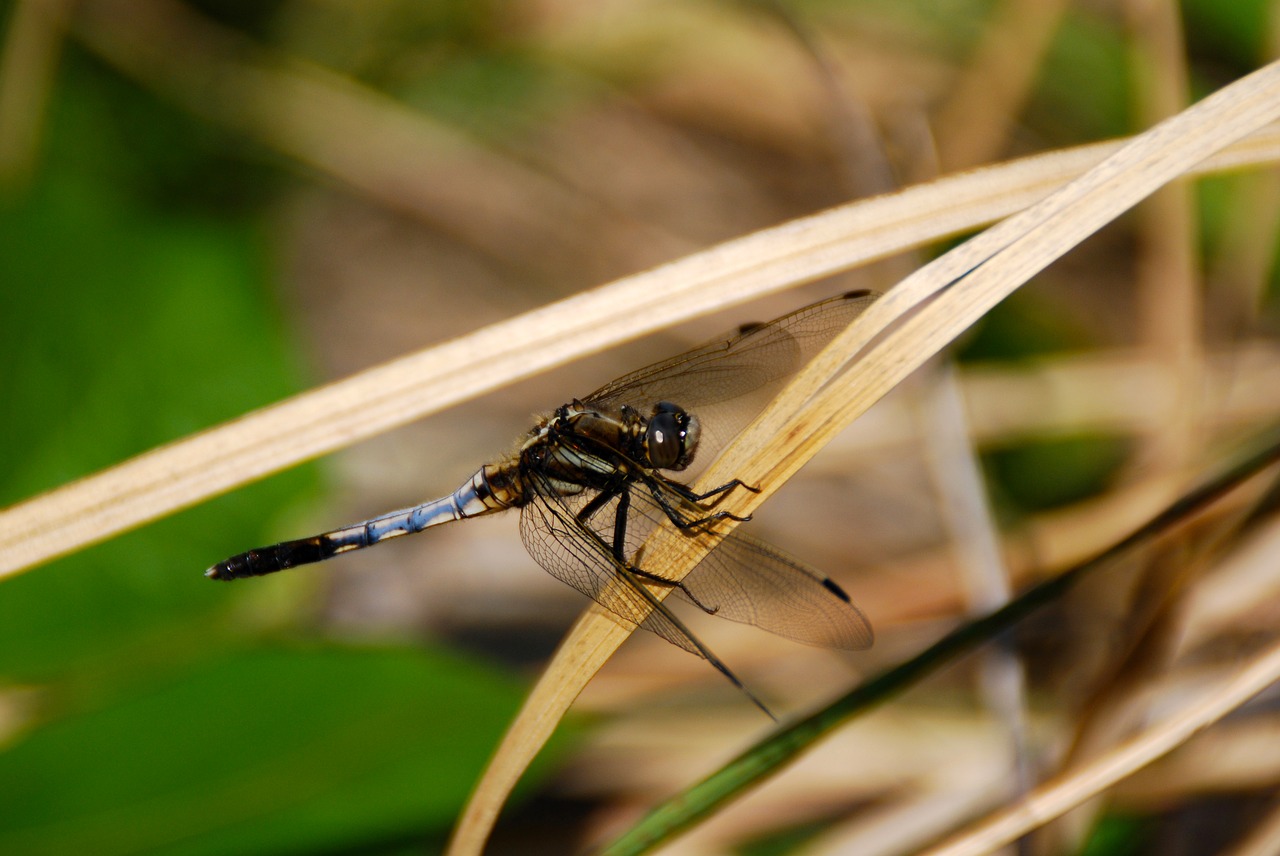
<point>1071,789</point>
<point>974,123</point>
<point>28,59</point>
<point>966,282</point>
<point>788,742</point>
<point>323,420</point>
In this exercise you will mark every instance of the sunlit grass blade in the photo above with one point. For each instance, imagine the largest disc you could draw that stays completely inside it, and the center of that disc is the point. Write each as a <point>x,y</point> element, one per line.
<point>785,744</point>
<point>906,327</point>
<point>337,415</point>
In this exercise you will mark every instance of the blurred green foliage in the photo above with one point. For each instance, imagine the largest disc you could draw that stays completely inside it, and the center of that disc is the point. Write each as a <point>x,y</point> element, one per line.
<point>1088,56</point>
<point>261,750</point>
<point>1048,473</point>
<point>1041,473</point>
<point>792,839</point>
<point>136,307</point>
<point>1230,36</point>
<point>1117,835</point>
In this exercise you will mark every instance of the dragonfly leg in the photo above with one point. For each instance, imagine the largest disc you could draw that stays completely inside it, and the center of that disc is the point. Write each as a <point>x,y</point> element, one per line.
<point>619,555</point>
<point>708,522</point>
<point>678,518</point>
<point>630,576</point>
<point>662,581</point>
<point>597,502</point>
<point>620,528</point>
<point>722,491</point>
<point>719,493</point>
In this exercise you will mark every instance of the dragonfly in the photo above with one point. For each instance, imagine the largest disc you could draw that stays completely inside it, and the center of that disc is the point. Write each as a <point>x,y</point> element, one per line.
<point>596,477</point>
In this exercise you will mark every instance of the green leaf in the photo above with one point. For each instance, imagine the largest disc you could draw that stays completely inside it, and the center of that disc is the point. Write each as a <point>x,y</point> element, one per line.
<point>124,330</point>
<point>259,751</point>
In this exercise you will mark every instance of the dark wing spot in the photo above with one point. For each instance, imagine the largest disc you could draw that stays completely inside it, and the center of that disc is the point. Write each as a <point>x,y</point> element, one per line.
<point>836,590</point>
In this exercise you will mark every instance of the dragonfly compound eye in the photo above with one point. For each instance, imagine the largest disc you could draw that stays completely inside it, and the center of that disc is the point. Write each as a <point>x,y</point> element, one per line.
<point>671,437</point>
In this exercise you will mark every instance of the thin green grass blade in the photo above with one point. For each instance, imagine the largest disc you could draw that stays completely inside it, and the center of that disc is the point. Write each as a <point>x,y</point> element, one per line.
<point>767,757</point>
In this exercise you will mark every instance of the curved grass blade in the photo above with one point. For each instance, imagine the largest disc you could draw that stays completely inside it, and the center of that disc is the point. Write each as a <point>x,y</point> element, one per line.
<point>157,483</point>
<point>926,311</point>
<point>770,755</point>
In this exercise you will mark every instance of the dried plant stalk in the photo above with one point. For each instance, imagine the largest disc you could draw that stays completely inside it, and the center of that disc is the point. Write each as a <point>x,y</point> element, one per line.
<point>340,414</point>
<point>906,329</point>
<point>1078,785</point>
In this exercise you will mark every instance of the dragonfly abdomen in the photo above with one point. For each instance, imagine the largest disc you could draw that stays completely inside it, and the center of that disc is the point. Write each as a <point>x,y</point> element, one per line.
<point>474,498</point>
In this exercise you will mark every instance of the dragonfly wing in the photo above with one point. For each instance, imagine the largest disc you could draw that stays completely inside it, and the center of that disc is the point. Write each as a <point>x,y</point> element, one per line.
<point>726,382</point>
<point>582,556</point>
<point>747,580</point>
<point>572,547</point>
<point>741,578</point>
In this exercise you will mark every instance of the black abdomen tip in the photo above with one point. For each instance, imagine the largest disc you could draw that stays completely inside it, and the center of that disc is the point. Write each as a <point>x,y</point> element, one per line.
<point>268,560</point>
<point>232,569</point>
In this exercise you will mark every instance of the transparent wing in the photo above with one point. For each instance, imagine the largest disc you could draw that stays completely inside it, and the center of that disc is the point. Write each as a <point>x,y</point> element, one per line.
<point>741,578</point>
<point>747,580</point>
<point>583,558</point>
<point>725,383</point>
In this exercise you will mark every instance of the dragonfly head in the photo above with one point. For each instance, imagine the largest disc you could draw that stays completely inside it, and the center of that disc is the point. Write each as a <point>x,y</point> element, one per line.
<point>671,437</point>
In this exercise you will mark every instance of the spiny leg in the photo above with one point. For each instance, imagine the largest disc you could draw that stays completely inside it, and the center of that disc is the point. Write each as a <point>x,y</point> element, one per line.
<point>663,581</point>
<point>718,492</point>
<point>620,556</point>
<point>629,576</point>
<point>584,515</point>
<point>675,515</point>
<point>620,528</point>
<point>619,546</point>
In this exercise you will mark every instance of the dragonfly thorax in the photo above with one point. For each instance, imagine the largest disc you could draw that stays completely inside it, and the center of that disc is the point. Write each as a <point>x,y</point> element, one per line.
<point>665,438</point>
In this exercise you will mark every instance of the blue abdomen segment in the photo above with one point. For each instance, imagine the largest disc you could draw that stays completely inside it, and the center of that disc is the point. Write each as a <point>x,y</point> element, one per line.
<point>472,499</point>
